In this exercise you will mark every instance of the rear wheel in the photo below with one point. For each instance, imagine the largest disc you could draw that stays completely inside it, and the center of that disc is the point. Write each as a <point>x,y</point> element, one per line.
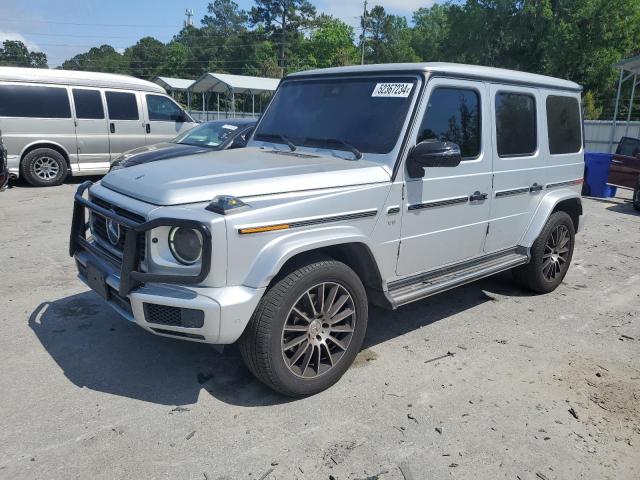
<point>44,167</point>
<point>551,255</point>
<point>307,329</point>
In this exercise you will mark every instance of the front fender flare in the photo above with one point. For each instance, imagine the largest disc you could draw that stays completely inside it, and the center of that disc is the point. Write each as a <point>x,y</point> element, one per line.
<point>544,210</point>
<point>276,253</point>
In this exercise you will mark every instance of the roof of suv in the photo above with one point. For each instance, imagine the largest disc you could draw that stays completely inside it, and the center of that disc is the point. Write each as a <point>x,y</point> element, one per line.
<point>74,77</point>
<point>450,69</point>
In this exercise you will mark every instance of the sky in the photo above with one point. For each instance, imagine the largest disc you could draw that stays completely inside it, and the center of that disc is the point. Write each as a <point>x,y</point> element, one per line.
<point>64,28</point>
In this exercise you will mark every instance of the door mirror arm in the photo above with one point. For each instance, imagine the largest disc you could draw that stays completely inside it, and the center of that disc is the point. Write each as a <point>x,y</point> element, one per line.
<point>432,154</point>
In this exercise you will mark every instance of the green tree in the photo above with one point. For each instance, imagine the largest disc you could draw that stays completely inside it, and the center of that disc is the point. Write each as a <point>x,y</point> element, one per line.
<point>146,58</point>
<point>389,38</point>
<point>14,53</point>
<point>332,43</point>
<point>98,59</point>
<point>225,17</point>
<point>286,17</point>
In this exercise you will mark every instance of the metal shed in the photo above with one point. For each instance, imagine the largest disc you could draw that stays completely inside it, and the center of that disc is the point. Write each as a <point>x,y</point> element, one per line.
<point>231,85</point>
<point>629,70</point>
<point>173,85</point>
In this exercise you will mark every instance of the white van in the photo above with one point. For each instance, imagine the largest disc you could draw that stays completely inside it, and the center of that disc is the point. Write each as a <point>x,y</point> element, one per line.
<point>56,122</point>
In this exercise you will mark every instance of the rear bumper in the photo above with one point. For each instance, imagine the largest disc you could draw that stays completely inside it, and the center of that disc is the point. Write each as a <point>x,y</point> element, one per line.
<point>221,314</point>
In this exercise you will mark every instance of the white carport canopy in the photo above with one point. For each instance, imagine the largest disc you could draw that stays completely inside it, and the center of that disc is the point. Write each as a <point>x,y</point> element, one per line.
<point>176,85</point>
<point>232,84</point>
<point>629,69</point>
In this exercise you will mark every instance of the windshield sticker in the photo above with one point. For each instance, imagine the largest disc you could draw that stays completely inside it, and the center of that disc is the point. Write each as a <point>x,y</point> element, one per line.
<point>230,127</point>
<point>397,90</point>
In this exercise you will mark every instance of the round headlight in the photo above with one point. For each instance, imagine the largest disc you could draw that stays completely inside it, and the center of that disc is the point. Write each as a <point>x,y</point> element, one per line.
<point>185,245</point>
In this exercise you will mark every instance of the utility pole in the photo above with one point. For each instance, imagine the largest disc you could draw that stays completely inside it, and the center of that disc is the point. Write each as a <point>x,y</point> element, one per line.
<point>364,29</point>
<point>189,21</point>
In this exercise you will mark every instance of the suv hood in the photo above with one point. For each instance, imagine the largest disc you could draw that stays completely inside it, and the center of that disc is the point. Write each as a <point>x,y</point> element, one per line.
<point>242,173</point>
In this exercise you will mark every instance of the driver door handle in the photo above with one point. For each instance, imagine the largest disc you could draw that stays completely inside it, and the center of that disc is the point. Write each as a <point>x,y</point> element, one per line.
<point>112,127</point>
<point>477,196</point>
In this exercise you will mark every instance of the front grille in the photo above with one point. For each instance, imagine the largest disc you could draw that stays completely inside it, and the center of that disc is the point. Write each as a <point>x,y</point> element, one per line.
<point>99,229</point>
<point>173,316</point>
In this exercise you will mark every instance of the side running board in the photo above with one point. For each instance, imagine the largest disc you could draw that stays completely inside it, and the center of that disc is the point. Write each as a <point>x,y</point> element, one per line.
<point>420,286</point>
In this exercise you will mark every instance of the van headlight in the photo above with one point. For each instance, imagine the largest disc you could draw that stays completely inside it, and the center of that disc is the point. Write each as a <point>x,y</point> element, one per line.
<point>185,245</point>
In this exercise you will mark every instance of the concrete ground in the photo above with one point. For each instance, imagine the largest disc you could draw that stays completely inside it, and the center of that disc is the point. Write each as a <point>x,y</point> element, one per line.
<point>483,382</point>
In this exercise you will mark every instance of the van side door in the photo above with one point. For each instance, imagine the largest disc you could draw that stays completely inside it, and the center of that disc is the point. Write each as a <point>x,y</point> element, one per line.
<point>126,127</point>
<point>164,119</point>
<point>446,212</point>
<point>519,163</point>
<point>92,131</point>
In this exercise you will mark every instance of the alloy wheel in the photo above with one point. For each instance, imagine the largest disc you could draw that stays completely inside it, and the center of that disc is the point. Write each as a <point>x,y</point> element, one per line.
<point>46,168</point>
<point>318,330</point>
<point>556,252</point>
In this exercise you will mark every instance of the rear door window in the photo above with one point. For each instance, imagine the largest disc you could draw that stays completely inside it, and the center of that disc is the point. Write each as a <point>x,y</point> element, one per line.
<point>88,104</point>
<point>34,102</point>
<point>122,106</point>
<point>162,109</point>
<point>453,115</point>
<point>564,125</point>
<point>629,147</point>
<point>516,131</point>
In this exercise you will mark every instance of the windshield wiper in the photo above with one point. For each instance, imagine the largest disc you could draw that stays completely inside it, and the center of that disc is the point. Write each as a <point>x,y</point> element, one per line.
<point>279,136</point>
<point>323,141</point>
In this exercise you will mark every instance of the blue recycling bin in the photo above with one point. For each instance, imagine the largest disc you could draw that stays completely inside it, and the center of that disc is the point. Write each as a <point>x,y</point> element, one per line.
<point>596,173</point>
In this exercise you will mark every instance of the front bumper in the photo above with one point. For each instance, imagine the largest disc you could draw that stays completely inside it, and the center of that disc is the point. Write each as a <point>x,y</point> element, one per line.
<point>167,305</point>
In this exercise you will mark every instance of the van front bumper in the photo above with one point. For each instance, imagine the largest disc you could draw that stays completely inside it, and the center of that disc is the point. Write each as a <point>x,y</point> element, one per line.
<point>199,314</point>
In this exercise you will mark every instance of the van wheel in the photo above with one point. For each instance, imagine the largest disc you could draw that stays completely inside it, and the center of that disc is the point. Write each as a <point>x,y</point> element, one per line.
<point>44,167</point>
<point>636,196</point>
<point>550,255</point>
<point>307,329</point>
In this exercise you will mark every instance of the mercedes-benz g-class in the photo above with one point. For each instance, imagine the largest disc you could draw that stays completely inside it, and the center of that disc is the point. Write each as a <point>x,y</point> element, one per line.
<point>379,184</point>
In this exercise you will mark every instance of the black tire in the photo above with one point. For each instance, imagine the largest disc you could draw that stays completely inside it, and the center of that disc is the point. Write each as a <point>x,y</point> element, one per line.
<point>636,196</point>
<point>262,344</point>
<point>535,275</point>
<point>44,167</point>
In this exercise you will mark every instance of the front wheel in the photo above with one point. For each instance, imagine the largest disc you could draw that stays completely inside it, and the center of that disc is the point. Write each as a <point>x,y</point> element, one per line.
<point>307,329</point>
<point>551,255</point>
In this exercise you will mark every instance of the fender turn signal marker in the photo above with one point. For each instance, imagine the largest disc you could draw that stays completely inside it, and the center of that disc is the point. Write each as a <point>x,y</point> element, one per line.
<point>270,228</point>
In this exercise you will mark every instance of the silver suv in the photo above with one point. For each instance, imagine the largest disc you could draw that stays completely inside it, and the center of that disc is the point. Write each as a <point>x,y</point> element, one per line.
<point>379,184</point>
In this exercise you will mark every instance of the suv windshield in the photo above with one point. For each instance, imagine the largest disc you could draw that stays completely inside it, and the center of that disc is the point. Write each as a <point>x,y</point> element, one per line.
<point>207,135</point>
<point>365,113</point>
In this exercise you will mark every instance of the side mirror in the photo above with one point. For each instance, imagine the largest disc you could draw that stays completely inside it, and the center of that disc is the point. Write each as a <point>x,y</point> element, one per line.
<point>433,154</point>
<point>179,117</point>
<point>238,142</point>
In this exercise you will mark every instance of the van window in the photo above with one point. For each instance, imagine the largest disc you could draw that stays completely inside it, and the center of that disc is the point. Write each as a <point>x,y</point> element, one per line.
<point>563,124</point>
<point>162,109</point>
<point>122,106</point>
<point>516,131</point>
<point>88,104</point>
<point>453,115</point>
<point>34,102</point>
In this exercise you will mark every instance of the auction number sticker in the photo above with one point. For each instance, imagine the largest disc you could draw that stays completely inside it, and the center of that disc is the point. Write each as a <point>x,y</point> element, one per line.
<point>396,90</point>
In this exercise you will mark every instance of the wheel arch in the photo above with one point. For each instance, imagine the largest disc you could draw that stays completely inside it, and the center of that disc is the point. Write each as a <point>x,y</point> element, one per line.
<point>567,201</point>
<point>46,144</point>
<point>340,243</point>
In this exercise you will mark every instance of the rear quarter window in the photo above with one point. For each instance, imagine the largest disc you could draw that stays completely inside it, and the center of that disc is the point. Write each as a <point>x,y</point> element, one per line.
<point>34,102</point>
<point>563,125</point>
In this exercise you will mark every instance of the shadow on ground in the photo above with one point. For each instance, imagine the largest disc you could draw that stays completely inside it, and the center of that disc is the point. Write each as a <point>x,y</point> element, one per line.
<point>20,183</point>
<point>97,349</point>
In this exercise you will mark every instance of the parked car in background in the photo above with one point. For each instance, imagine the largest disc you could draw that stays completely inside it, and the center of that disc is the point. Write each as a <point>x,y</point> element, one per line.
<point>380,184</point>
<point>59,122</point>
<point>206,137</point>
<point>625,167</point>
<point>4,170</point>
